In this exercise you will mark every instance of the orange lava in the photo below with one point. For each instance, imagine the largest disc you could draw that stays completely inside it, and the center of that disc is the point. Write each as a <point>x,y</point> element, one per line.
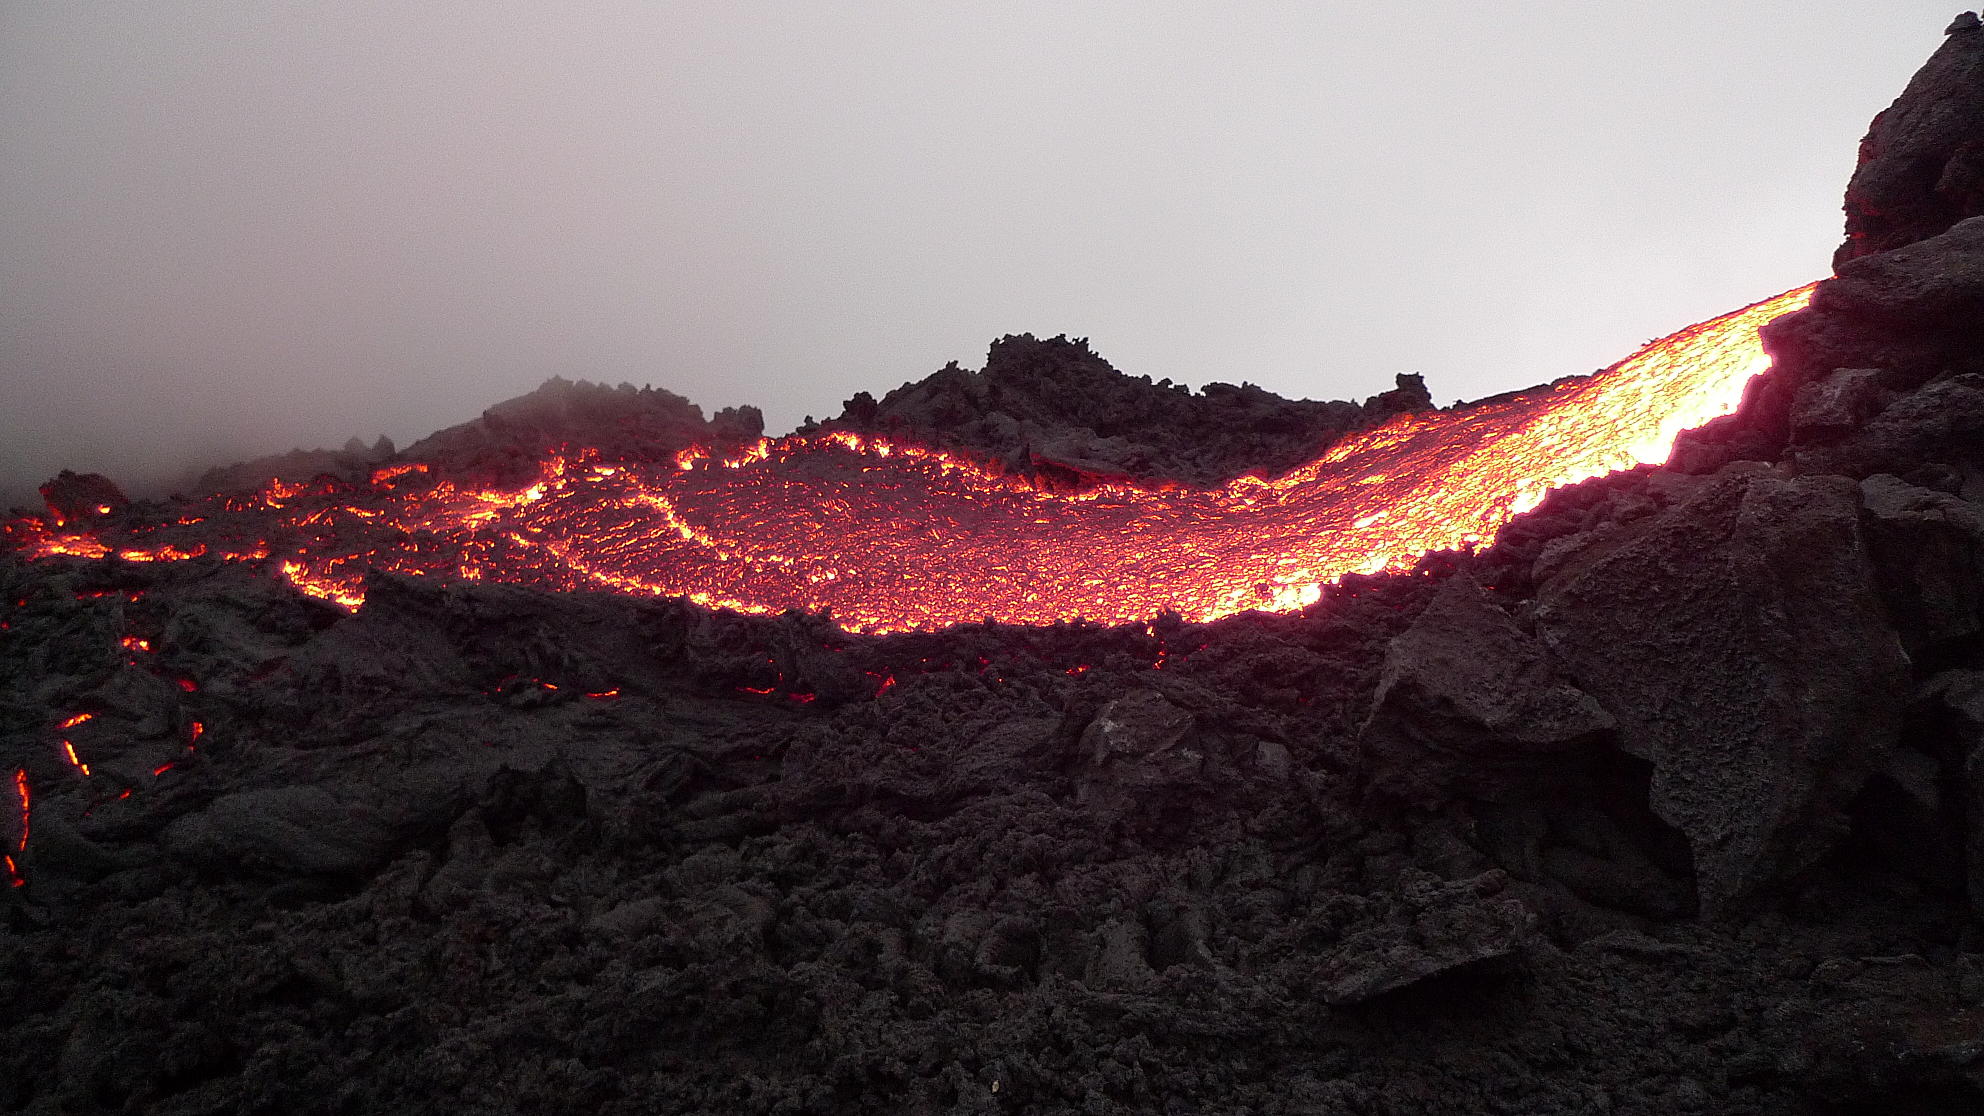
<point>21,792</point>
<point>893,537</point>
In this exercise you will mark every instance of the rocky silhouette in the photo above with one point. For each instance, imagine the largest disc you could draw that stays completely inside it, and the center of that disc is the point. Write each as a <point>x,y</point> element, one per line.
<point>1669,801</point>
<point>1054,409</point>
<point>1922,164</point>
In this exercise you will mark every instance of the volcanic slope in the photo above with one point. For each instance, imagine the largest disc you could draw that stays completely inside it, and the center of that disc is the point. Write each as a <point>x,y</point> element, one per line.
<point>889,535</point>
<point>1669,801</point>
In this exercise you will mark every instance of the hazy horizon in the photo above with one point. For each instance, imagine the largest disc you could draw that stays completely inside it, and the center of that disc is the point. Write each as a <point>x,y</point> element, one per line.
<point>231,229</point>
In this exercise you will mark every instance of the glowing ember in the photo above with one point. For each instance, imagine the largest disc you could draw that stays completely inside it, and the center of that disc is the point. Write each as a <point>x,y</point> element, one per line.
<point>895,537</point>
<point>21,791</point>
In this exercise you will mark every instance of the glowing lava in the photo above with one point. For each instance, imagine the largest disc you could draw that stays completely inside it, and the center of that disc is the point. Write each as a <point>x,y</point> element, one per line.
<point>895,537</point>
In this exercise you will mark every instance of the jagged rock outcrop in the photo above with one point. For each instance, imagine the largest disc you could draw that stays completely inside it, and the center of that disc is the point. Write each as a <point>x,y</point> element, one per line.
<point>352,464</point>
<point>1468,704</point>
<point>1445,929</point>
<point>623,423</point>
<point>1739,639</point>
<point>1921,166</point>
<point>1883,373</point>
<point>79,497</point>
<point>1055,409</point>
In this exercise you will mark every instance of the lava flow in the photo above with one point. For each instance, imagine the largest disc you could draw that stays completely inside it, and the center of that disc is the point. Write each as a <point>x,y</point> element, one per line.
<point>894,537</point>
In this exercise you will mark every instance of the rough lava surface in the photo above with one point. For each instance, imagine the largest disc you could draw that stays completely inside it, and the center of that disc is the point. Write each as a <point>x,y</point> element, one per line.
<point>1054,410</point>
<point>1670,801</point>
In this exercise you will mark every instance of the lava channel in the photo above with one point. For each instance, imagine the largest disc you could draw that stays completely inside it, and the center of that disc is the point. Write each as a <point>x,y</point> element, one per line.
<point>893,537</point>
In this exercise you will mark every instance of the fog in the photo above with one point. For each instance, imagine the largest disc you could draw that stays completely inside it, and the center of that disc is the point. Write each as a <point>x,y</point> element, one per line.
<point>228,229</point>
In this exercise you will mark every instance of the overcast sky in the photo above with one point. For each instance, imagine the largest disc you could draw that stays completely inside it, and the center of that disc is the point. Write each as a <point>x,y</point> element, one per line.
<point>228,229</point>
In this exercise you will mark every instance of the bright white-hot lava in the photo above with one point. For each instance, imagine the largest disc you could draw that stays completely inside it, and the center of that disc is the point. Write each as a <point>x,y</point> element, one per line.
<point>895,537</point>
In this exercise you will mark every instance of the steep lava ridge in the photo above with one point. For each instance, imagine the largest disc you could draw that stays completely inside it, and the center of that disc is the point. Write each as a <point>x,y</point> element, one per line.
<point>890,536</point>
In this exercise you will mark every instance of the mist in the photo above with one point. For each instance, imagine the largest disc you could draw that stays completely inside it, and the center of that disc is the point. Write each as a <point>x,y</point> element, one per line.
<point>230,229</point>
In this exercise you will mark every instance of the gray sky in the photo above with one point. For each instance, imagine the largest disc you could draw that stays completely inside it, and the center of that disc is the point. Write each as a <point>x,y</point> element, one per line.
<point>232,228</point>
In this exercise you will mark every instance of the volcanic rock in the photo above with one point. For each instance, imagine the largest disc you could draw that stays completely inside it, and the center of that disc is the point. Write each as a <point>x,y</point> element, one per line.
<point>1137,744</point>
<point>74,497</point>
<point>1921,165</point>
<point>352,464</point>
<point>1466,697</point>
<point>1740,642</point>
<point>1883,372</point>
<point>1828,409</point>
<point>1053,408</point>
<point>1927,548</point>
<point>1437,929</point>
<point>1870,341</point>
<point>1433,845</point>
<point>621,423</point>
<point>291,830</point>
<point>1886,1034</point>
<point>1956,702</point>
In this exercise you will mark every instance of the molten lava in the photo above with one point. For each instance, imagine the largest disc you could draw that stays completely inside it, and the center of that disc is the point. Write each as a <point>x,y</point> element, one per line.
<point>894,537</point>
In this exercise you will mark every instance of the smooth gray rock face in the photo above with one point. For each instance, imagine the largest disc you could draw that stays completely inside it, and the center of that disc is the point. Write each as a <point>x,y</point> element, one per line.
<point>1740,642</point>
<point>1466,697</point>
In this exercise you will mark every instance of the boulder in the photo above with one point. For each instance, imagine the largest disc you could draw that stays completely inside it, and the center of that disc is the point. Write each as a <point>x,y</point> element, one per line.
<point>1136,743</point>
<point>1467,697</point>
<point>1928,548</point>
<point>1933,286</point>
<point>1831,407</point>
<point>1940,424</point>
<point>1913,313</point>
<point>1436,928</point>
<point>1739,640</point>
<point>79,497</point>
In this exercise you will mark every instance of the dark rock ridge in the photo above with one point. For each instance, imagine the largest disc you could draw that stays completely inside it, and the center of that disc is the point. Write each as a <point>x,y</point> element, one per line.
<point>1054,409</point>
<point>73,497</point>
<point>1921,166</point>
<point>623,423</point>
<point>1670,801</point>
<point>353,463</point>
<point>506,444</point>
<point>1050,410</point>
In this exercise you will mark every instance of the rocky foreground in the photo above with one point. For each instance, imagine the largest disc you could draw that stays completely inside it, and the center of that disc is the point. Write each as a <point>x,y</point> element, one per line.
<point>1670,802</point>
